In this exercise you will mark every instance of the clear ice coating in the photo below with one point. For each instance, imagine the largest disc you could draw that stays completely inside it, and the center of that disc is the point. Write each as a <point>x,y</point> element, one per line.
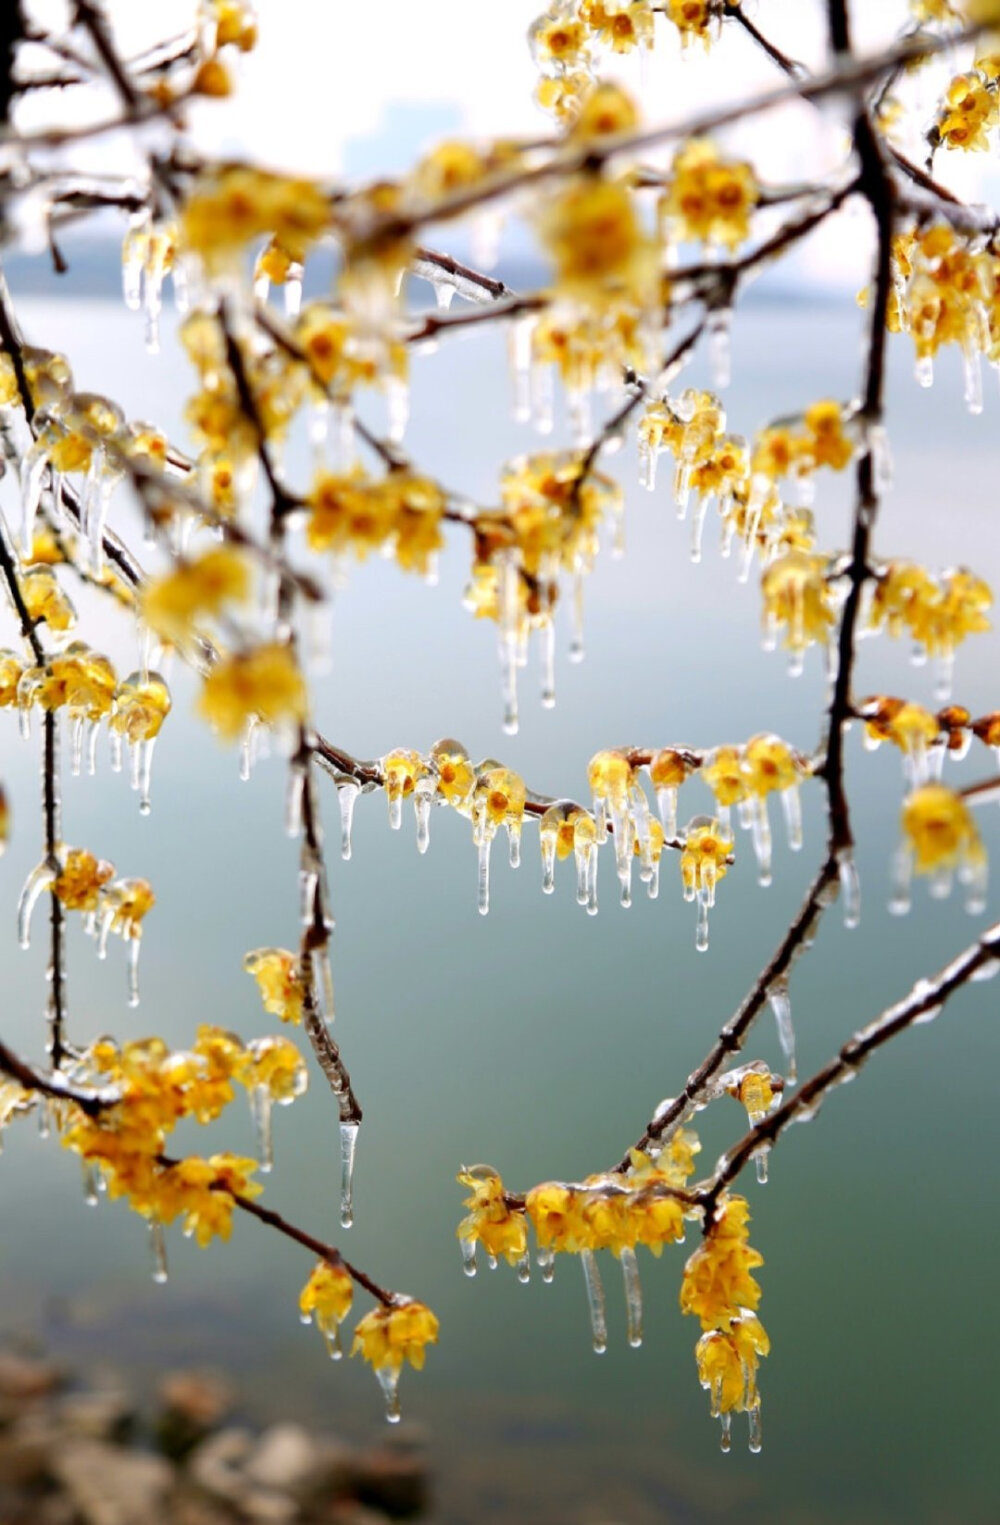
<point>850,887</point>
<point>348,1152</point>
<point>760,1159</point>
<point>331,1339</point>
<point>781,1005</point>
<point>261,1108</point>
<point>347,798</point>
<point>595,1300</point>
<point>38,881</point>
<point>158,1250</point>
<point>388,1381</point>
<point>633,1295</point>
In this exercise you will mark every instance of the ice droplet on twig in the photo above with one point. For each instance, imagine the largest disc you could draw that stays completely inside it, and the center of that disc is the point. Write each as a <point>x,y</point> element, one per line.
<point>348,1151</point>
<point>595,1300</point>
<point>633,1295</point>
<point>158,1250</point>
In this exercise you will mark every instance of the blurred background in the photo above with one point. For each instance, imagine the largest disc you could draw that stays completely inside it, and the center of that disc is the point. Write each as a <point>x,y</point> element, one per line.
<point>537,1039</point>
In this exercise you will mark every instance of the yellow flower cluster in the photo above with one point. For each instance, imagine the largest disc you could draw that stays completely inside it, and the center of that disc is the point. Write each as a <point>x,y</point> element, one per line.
<point>230,205</point>
<point>709,199</point>
<point>263,684</point>
<point>173,605</point>
<point>568,39</point>
<point>276,971</point>
<point>498,1228</point>
<point>325,1300</point>
<point>601,253</point>
<point>719,1289</point>
<point>390,1335</point>
<point>937,613</point>
<point>402,512</point>
<point>943,295</point>
<point>968,112</point>
<point>798,603</point>
<point>940,838</point>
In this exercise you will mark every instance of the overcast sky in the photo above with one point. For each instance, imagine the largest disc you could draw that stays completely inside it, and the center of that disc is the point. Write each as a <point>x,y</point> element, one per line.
<point>362,88</point>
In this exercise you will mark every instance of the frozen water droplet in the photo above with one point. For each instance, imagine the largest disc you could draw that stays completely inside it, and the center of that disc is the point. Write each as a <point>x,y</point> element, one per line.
<point>388,1379</point>
<point>756,1437</point>
<point>902,874</point>
<point>973,378</point>
<point>850,887</point>
<point>158,1250</point>
<point>261,1109</point>
<point>132,963</point>
<point>923,370</point>
<point>546,1262</point>
<point>633,1295</point>
<point>719,343</point>
<point>726,1436</point>
<point>331,1339</point>
<point>760,1159</point>
<point>523,1268</point>
<point>485,845</point>
<point>468,1256</point>
<point>595,1300</point>
<point>89,1183</point>
<point>348,1150</point>
<point>347,796</point>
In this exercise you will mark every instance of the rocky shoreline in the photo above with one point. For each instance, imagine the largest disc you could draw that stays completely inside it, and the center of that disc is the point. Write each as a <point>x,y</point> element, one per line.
<point>79,1454</point>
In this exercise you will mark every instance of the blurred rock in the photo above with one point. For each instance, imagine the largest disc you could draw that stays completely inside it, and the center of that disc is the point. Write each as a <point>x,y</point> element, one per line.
<point>112,1486</point>
<point>24,1378</point>
<point>107,1415</point>
<point>393,1477</point>
<point>193,1403</point>
<point>285,1457</point>
<point>218,1466</point>
<point>349,1512</point>
<point>26,1448</point>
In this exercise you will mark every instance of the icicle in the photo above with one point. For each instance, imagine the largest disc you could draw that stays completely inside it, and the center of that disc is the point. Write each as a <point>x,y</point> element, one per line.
<point>468,1247</point>
<point>781,1006</point>
<point>791,804</point>
<point>423,796</point>
<point>32,476</point>
<point>519,350</point>
<point>397,401</point>
<point>542,398</point>
<point>347,796</point>
<point>97,502</point>
<point>331,1339</point>
<point>261,1108</point>
<point>576,650</point>
<point>546,1262</point>
<point>701,929</point>
<point>348,1151</point>
<point>547,841</point>
<point>944,675</point>
<point>293,801</point>
<point>318,637</point>
<point>388,1380</point>
<point>444,295</point>
<point>698,525</point>
<point>248,749</point>
<point>76,745</point>
<point>973,377</point>
<point>595,1299</point>
<point>924,371</point>
<point>158,1249</point>
<point>38,881</point>
<point>142,764</point>
<point>578,408</point>
<point>974,876</point>
<point>485,844</point>
<point>89,1183</point>
<point>720,359</point>
<point>682,487</point>
<point>633,1295</point>
<point>93,731</point>
<point>293,293</point>
<point>850,887</point>
<point>547,636</point>
<point>133,253</point>
<point>760,1157</point>
<point>726,1437</point>
<point>756,1438</point>
<point>132,962</point>
<point>666,803</point>
<point>761,827</point>
<point>902,873</point>
<point>523,1268</point>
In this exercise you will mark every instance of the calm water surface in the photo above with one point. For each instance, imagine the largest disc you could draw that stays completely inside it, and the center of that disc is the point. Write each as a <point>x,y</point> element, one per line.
<point>540,1040</point>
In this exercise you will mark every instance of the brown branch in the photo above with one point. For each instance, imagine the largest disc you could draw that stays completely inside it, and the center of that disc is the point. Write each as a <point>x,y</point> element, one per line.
<point>93,1102</point>
<point>57,912</point>
<point>925,999</point>
<point>788,65</point>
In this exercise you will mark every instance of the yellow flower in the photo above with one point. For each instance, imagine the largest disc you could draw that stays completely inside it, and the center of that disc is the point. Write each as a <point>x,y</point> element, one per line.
<point>141,704</point>
<point>727,1364</point>
<point>45,599</point>
<point>558,40</point>
<point>769,764</point>
<point>598,246</point>
<point>967,113</point>
<point>230,206</point>
<point>491,1223</point>
<point>455,774</point>
<point>604,111</point>
<point>276,971</point>
<point>264,682</point>
<point>717,1283</point>
<point>710,198</point>
<point>620,24</point>
<point>326,1299</point>
<point>206,1190</point>
<point>828,445</point>
<point>205,586</point>
<point>80,879</point>
<point>797,599</point>
<point>692,18</point>
<point>724,774</point>
<point>127,902</point>
<point>276,1066</point>
<point>939,828</point>
<point>556,1214</point>
<point>390,1335</point>
<point>703,861</point>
